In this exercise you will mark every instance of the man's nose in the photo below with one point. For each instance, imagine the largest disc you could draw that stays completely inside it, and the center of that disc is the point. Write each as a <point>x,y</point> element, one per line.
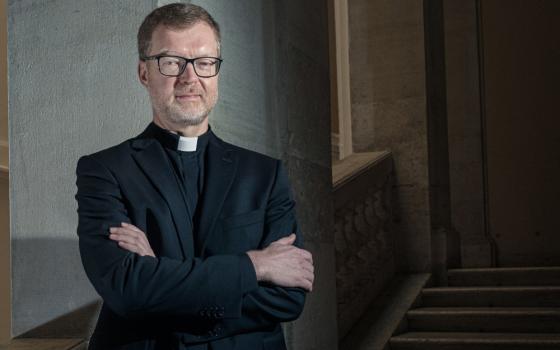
<point>188,75</point>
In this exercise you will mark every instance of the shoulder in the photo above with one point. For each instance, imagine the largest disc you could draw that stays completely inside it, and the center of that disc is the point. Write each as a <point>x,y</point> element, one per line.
<point>122,151</point>
<point>247,158</point>
<point>114,154</point>
<point>114,159</point>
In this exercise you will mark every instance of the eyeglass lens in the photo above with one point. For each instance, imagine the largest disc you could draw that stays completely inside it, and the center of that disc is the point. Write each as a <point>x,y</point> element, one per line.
<point>174,66</point>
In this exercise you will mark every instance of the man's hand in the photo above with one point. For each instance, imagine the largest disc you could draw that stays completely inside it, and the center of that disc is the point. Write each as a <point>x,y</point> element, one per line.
<point>283,264</point>
<point>131,238</point>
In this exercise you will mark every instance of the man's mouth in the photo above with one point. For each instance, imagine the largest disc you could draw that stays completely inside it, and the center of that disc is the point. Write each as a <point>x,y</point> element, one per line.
<point>186,97</point>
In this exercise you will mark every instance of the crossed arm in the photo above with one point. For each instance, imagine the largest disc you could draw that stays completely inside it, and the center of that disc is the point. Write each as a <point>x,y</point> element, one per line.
<point>281,263</point>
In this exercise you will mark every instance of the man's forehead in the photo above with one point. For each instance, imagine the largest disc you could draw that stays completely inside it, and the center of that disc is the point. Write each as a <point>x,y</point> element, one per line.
<point>197,28</point>
<point>200,35</point>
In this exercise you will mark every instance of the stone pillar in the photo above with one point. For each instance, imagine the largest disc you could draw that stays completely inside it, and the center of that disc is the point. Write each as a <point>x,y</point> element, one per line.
<point>465,134</point>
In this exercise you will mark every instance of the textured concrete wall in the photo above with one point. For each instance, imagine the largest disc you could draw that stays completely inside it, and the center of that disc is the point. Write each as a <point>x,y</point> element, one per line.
<point>5,317</point>
<point>3,74</point>
<point>389,111</point>
<point>78,93</point>
<point>365,257</point>
<point>465,134</point>
<point>73,90</point>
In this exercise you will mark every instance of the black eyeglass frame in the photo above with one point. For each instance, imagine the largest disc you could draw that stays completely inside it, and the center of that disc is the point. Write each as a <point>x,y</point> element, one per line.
<point>187,61</point>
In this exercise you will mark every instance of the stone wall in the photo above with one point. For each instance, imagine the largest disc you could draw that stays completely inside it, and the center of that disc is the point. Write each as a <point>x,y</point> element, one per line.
<point>388,91</point>
<point>365,256</point>
<point>300,96</point>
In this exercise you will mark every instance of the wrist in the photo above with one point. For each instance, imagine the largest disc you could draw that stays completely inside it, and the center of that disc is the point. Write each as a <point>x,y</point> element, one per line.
<point>256,259</point>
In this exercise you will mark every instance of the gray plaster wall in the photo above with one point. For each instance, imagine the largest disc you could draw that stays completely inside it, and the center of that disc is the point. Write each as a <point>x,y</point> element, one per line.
<point>388,96</point>
<point>73,90</point>
<point>3,76</point>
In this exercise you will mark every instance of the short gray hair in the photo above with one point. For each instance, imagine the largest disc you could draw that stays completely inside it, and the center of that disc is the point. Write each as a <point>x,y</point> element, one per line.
<point>176,15</point>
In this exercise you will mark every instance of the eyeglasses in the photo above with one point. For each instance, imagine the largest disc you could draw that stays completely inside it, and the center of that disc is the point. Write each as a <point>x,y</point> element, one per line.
<point>173,66</point>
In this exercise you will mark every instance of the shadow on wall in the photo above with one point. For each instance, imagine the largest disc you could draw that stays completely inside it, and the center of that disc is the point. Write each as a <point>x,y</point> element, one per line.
<point>78,324</point>
<point>51,295</point>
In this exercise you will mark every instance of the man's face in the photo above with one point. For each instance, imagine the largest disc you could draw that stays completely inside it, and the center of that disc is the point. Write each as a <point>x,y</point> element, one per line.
<point>186,100</point>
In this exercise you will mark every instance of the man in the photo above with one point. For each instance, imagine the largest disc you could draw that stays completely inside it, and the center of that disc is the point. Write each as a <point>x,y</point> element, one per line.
<point>191,242</point>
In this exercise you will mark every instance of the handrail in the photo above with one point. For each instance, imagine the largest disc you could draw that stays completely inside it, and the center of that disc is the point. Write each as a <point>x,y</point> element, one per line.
<point>346,169</point>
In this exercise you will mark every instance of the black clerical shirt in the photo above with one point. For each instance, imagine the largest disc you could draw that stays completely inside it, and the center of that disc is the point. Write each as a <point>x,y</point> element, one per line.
<point>187,165</point>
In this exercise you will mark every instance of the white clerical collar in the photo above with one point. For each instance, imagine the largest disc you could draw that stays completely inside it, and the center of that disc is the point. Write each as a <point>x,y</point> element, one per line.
<point>187,144</point>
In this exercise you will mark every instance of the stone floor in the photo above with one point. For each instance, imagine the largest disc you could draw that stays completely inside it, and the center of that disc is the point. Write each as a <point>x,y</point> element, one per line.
<point>44,344</point>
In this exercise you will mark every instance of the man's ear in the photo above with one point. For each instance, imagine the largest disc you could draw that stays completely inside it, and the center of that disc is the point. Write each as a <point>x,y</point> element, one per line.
<point>143,73</point>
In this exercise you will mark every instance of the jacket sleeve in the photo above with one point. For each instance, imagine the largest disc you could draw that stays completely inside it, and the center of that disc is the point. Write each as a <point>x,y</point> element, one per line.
<point>268,305</point>
<point>135,286</point>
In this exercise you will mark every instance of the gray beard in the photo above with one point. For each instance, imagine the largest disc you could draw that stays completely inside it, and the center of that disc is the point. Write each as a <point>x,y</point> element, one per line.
<point>186,119</point>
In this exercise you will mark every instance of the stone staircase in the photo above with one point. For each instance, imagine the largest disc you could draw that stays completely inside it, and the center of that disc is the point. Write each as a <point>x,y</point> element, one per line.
<point>491,308</point>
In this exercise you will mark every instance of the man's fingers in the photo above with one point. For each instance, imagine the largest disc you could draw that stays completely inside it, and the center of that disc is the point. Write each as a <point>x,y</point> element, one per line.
<point>134,248</point>
<point>307,256</point>
<point>306,283</point>
<point>132,227</point>
<point>128,246</point>
<point>127,228</point>
<point>123,230</point>
<point>128,232</point>
<point>129,239</point>
<point>308,267</point>
<point>132,244</point>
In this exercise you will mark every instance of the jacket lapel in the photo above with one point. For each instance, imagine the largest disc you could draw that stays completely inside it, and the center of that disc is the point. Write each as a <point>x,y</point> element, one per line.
<point>221,165</point>
<point>153,161</point>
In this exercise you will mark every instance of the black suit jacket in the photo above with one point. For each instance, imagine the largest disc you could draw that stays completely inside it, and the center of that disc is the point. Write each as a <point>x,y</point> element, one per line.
<point>200,292</point>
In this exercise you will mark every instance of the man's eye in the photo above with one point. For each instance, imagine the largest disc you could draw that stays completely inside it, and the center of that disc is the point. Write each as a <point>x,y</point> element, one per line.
<point>205,63</point>
<point>170,62</point>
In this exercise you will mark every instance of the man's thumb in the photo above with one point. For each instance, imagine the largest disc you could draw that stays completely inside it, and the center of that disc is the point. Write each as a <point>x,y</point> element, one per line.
<point>288,240</point>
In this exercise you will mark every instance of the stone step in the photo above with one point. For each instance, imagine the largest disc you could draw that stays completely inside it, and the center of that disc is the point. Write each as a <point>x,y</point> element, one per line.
<point>474,341</point>
<point>492,296</point>
<point>508,276</point>
<point>485,319</point>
